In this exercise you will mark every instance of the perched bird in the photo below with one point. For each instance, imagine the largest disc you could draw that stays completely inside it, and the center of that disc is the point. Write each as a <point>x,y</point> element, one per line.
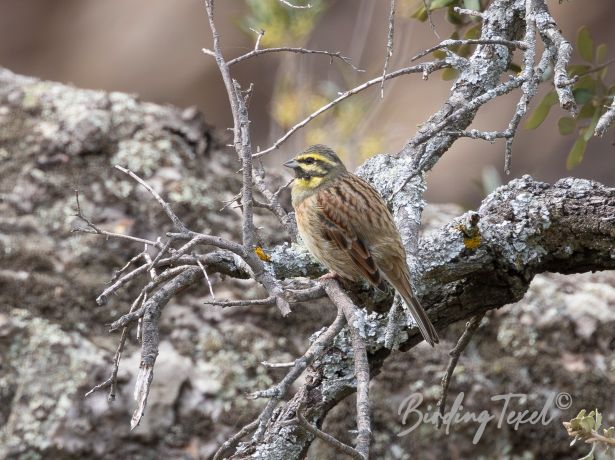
<point>346,225</point>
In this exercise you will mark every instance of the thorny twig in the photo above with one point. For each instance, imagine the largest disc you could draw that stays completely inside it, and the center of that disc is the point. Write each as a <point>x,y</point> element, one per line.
<point>455,353</point>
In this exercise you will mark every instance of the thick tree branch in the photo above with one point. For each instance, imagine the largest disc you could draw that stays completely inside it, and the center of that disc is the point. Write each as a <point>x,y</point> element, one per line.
<point>524,228</point>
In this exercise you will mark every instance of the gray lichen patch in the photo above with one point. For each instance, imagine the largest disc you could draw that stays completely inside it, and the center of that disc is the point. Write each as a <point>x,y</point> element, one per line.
<point>51,367</point>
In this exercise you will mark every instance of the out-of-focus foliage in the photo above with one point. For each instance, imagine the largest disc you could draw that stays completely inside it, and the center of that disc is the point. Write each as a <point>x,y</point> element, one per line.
<point>586,427</point>
<point>283,25</point>
<point>294,99</point>
<point>293,102</point>
<point>592,93</point>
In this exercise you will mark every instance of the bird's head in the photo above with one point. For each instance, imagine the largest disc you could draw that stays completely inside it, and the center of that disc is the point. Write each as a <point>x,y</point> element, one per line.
<point>315,166</point>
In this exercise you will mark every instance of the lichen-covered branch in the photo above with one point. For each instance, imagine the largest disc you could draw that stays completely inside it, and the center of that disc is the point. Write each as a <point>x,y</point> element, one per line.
<point>524,228</point>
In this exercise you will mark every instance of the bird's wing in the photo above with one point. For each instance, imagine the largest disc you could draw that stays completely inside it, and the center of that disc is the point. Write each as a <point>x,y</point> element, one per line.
<point>338,229</point>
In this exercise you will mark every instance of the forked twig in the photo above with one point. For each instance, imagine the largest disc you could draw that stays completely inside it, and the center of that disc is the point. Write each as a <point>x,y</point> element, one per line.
<point>455,353</point>
<point>331,440</point>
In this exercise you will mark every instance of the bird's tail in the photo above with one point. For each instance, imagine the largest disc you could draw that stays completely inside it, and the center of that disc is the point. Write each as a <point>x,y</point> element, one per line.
<point>418,313</point>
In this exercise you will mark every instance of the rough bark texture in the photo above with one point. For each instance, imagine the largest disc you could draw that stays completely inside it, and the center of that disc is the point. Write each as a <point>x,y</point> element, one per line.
<point>55,346</point>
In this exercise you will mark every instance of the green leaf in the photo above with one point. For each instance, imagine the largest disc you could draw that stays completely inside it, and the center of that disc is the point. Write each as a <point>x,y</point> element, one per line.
<point>601,53</point>
<point>541,111</point>
<point>473,32</point>
<point>585,44</point>
<point>454,36</point>
<point>587,111</point>
<point>514,67</point>
<point>589,132</point>
<point>586,81</point>
<point>420,14</point>
<point>435,4</point>
<point>587,423</point>
<point>453,17</point>
<point>574,158</point>
<point>439,54</point>
<point>472,4</point>
<point>598,420</point>
<point>582,95</point>
<point>566,125</point>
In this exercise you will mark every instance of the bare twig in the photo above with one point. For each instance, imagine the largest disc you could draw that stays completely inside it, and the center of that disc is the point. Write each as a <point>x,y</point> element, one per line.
<point>389,48</point>
<point>427,4</point>
<point>606,120</point>
<point>226,76</point>
<point>111,382</point>
<point>299,7</point>
<point>202,267</point>
<point>468,12</point>
<point>336,444</point>
<point>455,353</point>
<point>277,365</point>
<point>241,303</point>
<point>343,302</point>
<point>446,43</point>
<point>249,232</point>
<point>98,231</point>
<point>420,68</point>
<point>233,440</point>
<point>179,225</point>
<point>149,345</point>
<point>598,68</point>
<point>259,37</point>
<point>273,203</point>
<point>472,105</point>
<point>288,49</point>
<point>277,392</point>
<point>552,36</point>
<point>531,80</point>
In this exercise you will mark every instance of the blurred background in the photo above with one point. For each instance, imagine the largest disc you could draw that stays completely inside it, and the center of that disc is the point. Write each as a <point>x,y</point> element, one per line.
<point>153,49</point>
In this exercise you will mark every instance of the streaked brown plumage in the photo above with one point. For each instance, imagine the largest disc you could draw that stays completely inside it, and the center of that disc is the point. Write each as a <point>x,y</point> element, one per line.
<point>346,225</point>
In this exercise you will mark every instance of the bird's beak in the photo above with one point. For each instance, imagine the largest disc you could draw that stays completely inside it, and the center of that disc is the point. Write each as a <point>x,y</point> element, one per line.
<point>292,164</point>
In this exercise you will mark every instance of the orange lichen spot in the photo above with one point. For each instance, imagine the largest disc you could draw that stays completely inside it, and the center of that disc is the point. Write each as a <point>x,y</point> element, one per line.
<point>472,242</point>
<point>471,236</point>
<point>262,255</point>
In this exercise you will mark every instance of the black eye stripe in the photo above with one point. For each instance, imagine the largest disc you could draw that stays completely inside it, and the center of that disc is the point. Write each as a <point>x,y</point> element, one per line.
<point>307,161</point>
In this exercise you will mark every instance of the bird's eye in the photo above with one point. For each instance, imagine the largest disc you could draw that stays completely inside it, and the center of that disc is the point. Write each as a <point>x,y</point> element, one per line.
<point>308,160</point>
